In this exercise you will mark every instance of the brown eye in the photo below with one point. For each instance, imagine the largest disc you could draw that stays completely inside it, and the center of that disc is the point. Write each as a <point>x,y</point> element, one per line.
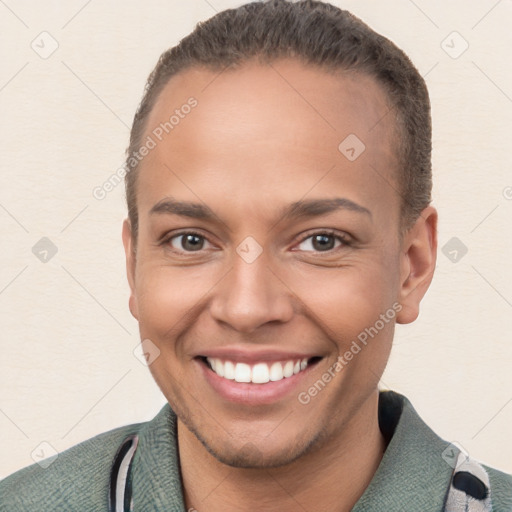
<point>187,242</point>
<point>322,242</point>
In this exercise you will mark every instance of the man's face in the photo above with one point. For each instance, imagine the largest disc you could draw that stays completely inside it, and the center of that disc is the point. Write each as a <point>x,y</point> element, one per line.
<point>257,285</point>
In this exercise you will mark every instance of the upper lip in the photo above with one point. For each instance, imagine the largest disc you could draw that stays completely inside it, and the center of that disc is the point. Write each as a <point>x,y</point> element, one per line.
<point>254,356</point>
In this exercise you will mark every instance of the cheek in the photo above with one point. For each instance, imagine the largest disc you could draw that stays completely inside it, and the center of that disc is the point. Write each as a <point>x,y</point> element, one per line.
<point>168,297</point>
<point>357,313</point>
<point>349,296</point>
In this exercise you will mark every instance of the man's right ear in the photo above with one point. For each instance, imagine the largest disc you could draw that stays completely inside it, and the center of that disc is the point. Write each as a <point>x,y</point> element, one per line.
<point>129,250</point>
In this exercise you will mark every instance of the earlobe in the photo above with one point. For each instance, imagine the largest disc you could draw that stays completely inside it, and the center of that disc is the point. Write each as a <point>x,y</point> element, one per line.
<point>419,253</point>
<point>129,249</point>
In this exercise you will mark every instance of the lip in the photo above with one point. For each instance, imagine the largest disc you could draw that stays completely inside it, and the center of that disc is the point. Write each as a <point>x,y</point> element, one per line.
<point>248,393</point>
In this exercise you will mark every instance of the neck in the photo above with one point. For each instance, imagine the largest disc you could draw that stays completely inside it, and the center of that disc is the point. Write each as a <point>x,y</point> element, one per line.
<point>331,477</point>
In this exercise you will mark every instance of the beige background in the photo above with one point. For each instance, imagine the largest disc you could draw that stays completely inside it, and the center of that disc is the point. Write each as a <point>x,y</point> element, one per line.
<point>67,370</point>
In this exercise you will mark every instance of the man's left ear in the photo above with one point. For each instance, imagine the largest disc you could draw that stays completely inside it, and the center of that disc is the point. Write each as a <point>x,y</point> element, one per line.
<point>418,261</point>
<point>129,248</point>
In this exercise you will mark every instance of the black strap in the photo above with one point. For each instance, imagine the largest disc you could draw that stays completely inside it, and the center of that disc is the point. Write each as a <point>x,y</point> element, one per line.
<point>120,489</point>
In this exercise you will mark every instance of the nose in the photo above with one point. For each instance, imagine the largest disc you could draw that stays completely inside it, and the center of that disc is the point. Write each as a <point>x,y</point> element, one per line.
<point>251,295</point>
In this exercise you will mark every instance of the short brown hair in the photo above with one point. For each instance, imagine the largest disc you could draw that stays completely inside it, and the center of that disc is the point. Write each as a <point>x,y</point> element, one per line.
<point>319,34</point>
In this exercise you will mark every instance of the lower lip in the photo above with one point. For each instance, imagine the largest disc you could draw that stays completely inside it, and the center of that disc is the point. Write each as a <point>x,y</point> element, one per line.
<point>249,393</point>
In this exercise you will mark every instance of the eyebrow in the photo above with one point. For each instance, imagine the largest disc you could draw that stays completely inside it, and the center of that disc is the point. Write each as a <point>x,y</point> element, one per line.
<point>298,209</point>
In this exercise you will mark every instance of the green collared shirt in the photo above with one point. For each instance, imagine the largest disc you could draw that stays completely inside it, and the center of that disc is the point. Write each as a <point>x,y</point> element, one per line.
<point>414,473</point>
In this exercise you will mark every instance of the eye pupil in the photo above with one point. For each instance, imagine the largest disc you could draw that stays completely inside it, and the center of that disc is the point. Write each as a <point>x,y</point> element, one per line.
<point>326,242</point>
<point>192,242</point>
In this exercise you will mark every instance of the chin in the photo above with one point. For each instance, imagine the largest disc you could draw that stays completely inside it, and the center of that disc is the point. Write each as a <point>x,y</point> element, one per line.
<point>258,454</point>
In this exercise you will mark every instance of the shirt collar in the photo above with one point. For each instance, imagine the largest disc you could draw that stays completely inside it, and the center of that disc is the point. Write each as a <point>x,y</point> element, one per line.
<point>412,471</point>
<point>156,478</point>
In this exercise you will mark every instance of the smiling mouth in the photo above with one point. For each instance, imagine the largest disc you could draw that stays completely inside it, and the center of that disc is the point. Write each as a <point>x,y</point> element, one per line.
<point>258,373</point>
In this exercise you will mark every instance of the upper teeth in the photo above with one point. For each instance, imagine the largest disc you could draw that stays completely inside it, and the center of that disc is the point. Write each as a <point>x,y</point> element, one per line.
<point>259,373</point>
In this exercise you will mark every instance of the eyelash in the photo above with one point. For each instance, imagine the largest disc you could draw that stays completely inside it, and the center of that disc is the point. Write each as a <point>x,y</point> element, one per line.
<point>344,239</point>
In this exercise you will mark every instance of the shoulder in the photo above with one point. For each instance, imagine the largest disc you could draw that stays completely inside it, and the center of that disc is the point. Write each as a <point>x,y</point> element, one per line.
<point>420,462</point>
<point>77,479</point>
<point>501,489</point>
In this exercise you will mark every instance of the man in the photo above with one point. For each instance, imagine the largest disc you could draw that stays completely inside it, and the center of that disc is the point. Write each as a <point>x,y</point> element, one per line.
<point>278,190</point>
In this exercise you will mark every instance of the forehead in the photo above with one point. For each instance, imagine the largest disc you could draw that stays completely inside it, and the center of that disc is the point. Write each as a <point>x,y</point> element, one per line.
<point>266,128</point>
<point>278,93</point>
